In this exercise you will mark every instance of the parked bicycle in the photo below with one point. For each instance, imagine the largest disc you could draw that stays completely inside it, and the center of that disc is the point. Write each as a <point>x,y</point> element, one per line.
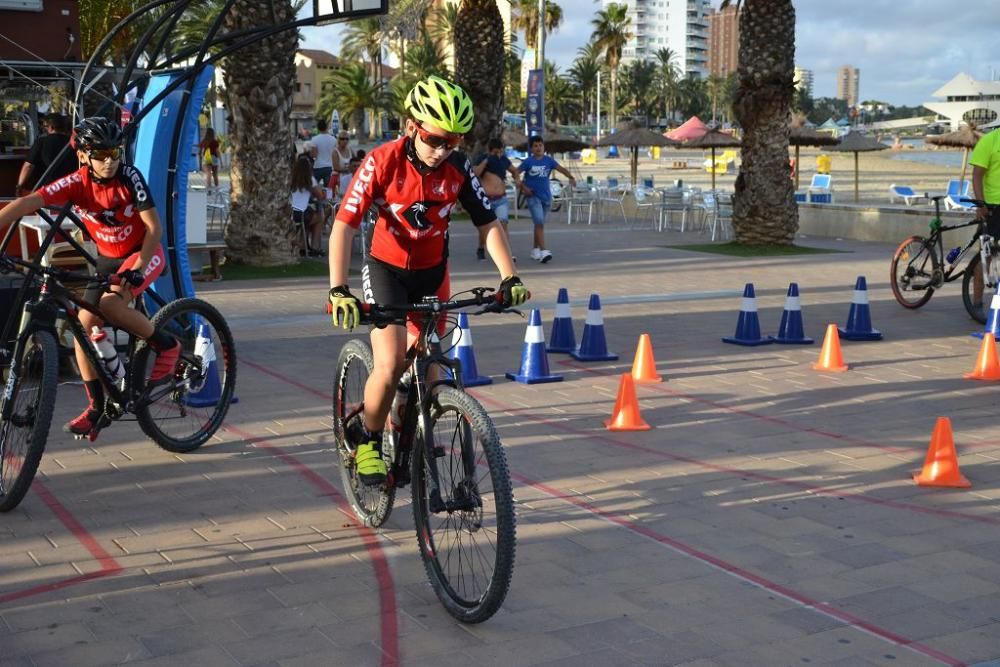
<point>920,265</point>
<point>447,447</point>
<point>172,414</point>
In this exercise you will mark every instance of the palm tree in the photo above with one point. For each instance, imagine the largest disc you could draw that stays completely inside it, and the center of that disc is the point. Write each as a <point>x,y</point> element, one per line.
<point>715,87</point>
<point>611,33</point>
<point>764,209</point>
<point>443,20</point>
<point>562,98</point>
<point>639,88</point>
<point>667,80</point>
<point>260,92</point>
<point>352,93</point>
<point>424,58</point>
<point>363,39</point>
<point>583,73</point>
<point>479,57</point>
<point>524,17</point>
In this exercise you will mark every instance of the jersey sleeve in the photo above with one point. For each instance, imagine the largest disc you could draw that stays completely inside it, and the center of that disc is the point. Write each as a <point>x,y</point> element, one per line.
<point>142,198</point>
<point>474,198</point>
<point>360,192</point>
<point>58,192</point>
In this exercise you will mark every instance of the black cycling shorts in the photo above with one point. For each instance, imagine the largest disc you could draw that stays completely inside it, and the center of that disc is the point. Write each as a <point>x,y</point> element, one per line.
<point>993,223</point>
<point>389,285</point>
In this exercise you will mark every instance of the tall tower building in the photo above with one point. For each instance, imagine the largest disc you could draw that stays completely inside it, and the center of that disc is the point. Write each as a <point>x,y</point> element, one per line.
<point>723,42</point>
<point>804,80</point>
<point>848,78</point>
<point>678,25</point>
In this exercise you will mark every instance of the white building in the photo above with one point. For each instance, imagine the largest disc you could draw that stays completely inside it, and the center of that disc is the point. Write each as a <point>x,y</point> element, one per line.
<point>967,100</point>
<point>678,25</point>
<point>804,80</point>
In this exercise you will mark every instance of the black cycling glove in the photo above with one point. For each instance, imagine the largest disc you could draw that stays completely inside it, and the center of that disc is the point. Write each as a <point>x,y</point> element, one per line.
<point>512,292</point>
<point>132,276</point>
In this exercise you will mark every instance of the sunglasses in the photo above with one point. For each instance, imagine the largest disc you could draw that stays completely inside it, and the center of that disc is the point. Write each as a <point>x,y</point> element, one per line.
<point>449,141</point>
<point>102,154</point>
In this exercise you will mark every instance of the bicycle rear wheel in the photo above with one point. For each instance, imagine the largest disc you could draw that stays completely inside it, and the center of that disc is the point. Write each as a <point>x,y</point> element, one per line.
<point>977,309</point>
<point>184,413</point>
<point>371,504</point>
<point>31,388</point>
<point>468,550</point>
<point>914,273</point>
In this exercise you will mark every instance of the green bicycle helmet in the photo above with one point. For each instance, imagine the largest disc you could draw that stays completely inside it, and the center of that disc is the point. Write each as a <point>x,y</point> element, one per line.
<point>442,104</point>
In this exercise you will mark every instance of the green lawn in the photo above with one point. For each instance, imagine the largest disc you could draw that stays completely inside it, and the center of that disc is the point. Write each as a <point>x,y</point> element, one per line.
<point>304,269</point>
<point>766,250</point>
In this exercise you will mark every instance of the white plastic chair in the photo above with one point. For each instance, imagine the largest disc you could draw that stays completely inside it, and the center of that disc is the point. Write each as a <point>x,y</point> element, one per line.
<point>614,194</point>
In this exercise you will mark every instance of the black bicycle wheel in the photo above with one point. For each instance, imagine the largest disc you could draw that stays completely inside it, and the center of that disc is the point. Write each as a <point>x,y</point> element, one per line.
<point>915,272</point>
<point>30,385</point>
<point>371,504</point>
<point>468,550</point>
<point>977,308</point>
<point>182,414</point>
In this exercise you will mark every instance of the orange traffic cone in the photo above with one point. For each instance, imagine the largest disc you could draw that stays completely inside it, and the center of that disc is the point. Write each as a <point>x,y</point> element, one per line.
<point>829,356</point>
<point>644,366</point>
<point>941,464</point>
<point>626,416</point>
<point>987,365</point>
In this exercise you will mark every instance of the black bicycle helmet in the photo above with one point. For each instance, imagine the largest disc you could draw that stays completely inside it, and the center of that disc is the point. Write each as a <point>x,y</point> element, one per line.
<point>97,132</point>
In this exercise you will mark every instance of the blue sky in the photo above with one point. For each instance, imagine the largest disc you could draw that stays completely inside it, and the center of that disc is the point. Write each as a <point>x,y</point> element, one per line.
<point>905,49</point>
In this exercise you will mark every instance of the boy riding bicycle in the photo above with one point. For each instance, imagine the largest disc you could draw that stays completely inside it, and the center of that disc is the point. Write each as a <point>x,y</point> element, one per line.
<point>115,205</point>
<point>415,182</point>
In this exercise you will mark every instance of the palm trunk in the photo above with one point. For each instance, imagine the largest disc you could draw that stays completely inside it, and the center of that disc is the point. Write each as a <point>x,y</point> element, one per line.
<point>764,208</point>
<point>478,48</point>
<point>259,87</point>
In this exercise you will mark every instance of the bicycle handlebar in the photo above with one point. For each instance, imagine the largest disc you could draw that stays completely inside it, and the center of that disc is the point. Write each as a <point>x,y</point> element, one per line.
<point>488,297</point>
<point>9,264</point>
<point>979,203</point>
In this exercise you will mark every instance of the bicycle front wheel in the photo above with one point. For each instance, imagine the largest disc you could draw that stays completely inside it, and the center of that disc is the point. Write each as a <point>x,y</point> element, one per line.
<point>468,547</point>
<point>371,504</point>
<point>182,414</point>
<point>30,393</point>
<point>912,275</point>
<point>976,304</point>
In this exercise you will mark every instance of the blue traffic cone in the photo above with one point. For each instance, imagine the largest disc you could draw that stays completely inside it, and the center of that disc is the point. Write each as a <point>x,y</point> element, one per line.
<point>993,319</point>
<point>593,345</point>
<point>211,390</point>
<point>563,339</point>
<point>859,317</point>
<point>790,331</point>
<point>534,362</point>
<point>461,349</point>
<point>747,324</point>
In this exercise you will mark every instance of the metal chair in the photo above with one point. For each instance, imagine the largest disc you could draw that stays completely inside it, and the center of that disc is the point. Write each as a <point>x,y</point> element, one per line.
<point>722,223</point>
<point>614,194</point>
<point>648,200</point>
<point>673,202</point>
<point>580,199</point>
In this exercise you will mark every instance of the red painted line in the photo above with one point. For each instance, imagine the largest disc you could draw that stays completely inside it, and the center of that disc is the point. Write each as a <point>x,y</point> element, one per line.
<point>287,380</point>
<point>109,566</point>
<point>383,575</point>
<point>747,576</point>
<point>717,563</point>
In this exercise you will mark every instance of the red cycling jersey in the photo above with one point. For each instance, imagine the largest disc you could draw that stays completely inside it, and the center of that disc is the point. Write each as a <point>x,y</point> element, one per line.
<point>110,211</point>
<point>414,203</point>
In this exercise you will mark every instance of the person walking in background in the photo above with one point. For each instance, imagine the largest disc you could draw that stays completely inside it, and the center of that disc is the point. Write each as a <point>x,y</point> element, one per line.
<point>307,209</point>
<point>342,167</point>
<point>209,148</point>
<point>537,168</point>
<point>323,160</point>
<point>985,161</point>
<point>492,168</point>
<point>51,156</point>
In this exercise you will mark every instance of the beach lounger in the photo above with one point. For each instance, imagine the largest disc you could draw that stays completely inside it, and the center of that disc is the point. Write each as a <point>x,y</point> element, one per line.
<point>820,189</point>
<point>904,192</point>
<point>956,192</point>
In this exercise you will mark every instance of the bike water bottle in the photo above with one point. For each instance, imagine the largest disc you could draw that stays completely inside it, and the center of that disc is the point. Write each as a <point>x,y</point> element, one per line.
<point>953,254</point>
<point>107,352</point>
<point>399,406</point>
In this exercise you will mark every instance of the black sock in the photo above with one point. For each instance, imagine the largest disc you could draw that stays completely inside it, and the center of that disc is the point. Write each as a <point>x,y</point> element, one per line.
<point>95,392</point>
<point>161,340</point>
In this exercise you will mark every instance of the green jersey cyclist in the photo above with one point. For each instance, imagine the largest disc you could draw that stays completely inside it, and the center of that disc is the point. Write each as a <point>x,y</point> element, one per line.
<point>415,182</point>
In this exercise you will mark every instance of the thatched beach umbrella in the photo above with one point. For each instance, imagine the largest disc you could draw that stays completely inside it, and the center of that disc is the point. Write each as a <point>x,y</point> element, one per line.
<point>855,142</point>
<point>713,139</point>
<point>556,142</point>
<point>966,137</point>
<point>799,135</point>
<point>634,138</point>
<point>512,137</point>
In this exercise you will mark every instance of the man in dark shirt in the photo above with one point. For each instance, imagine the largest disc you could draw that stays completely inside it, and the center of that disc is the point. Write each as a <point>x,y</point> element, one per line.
<point>47,152</point>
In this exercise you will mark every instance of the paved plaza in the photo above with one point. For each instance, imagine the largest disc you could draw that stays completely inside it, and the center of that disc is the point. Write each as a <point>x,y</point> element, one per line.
<point>768,517</point>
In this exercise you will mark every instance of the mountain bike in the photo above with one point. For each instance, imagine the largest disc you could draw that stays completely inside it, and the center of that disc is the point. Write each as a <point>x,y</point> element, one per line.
<point>179,415</point>
<point>448,449</point>
<point>919,265</point>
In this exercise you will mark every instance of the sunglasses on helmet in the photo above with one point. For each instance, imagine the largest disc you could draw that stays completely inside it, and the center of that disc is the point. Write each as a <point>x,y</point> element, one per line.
<point>449,141</point>
<point>102,154</point>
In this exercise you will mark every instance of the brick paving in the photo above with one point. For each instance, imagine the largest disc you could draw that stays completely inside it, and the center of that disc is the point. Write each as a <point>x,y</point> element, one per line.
<point>768,518</point>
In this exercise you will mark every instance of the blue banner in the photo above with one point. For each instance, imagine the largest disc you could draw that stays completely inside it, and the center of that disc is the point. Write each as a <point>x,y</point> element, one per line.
<point>535,103</point>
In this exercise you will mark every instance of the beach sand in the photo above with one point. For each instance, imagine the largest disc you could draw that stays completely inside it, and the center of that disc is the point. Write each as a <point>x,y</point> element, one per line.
<point>876,172</point>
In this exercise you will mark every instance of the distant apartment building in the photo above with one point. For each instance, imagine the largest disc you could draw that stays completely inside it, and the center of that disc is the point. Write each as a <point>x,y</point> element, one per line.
<point>678,25</point>
<point>848,79</point>
<point>723,42</point>
<point>804,80</point>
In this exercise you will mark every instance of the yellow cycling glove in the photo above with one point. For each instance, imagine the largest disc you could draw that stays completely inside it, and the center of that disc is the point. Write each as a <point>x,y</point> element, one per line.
<point>344,308</point>
<point>512,292</point>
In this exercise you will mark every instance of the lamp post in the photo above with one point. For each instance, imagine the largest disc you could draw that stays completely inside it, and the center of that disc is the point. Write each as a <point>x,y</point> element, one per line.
<point>540,51</point>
